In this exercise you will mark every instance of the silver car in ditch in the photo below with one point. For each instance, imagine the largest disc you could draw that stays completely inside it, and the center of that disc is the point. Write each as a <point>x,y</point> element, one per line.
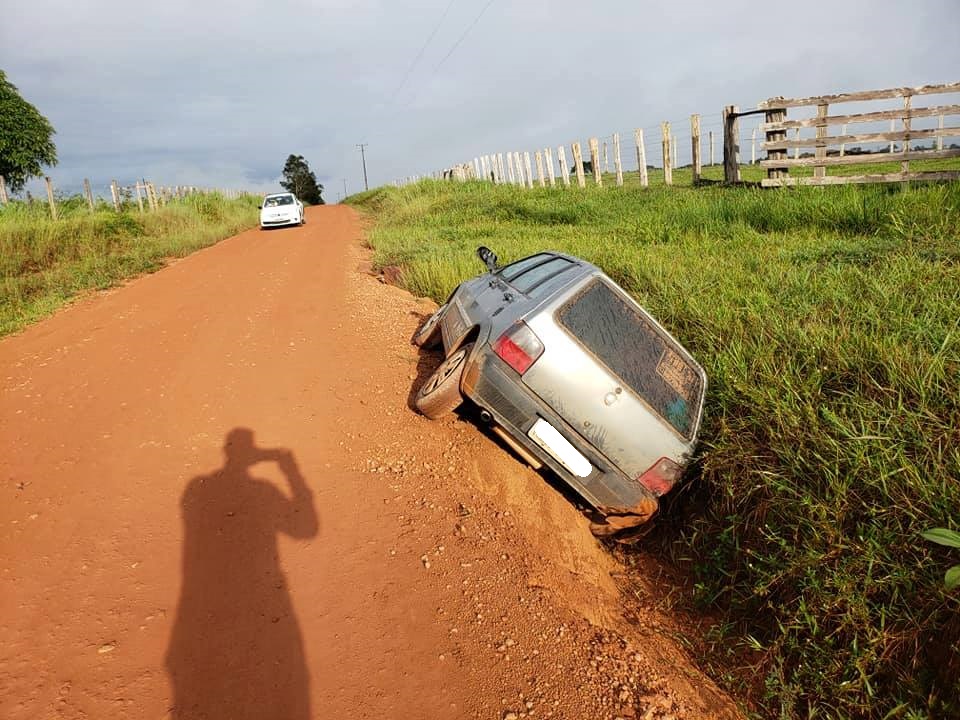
<point>573,374</point>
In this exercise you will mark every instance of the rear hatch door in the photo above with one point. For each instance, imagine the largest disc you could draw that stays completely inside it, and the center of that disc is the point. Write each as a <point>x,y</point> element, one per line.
<point>617,377</point>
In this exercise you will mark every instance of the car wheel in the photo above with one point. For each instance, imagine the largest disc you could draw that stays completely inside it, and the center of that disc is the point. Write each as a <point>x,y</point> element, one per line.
<point>428,336</point>
<point>440,394</point>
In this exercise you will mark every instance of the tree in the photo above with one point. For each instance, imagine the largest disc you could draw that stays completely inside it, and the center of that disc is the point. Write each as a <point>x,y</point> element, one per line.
<point>300,180</point>
<point>25,138</point>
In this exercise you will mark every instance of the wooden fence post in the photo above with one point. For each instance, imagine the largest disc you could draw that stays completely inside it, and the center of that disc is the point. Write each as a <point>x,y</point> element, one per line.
<point>617,166</point>
<point>136,186</point>
<point>796,150</point>
<point>540,178</point>
<point>641,157</point>
<point>88,193</point>
<point>595,161</point>
<point>53,205</point>
<point>564,170</point>
<point>772,116</point>
<point>4,199</point>
<point>674,155</point>
<point>820,152</point>
<point>695,147</point>
<point>518,162</point>
<point>893,128</point>
<point>152,196</point>
<point>940,137</point>
<point>665,152</point>
<point>606,158</point>
<point>712,156</point>
<point>528,168</point>
<point>115,193</point>
<point>548,158</point>
<point>753,146</point>
<point>731,147</point>
<point>510,173</point>
<point>843,146</point>
<point>904,164</point>
<point>578,164</point>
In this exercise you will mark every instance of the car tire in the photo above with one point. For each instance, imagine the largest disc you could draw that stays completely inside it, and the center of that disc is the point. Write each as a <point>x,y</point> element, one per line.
<point>429,335</point>
<point>440,394</point>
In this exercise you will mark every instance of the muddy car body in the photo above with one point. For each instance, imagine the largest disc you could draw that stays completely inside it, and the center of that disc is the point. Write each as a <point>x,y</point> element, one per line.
<point>574,375</point>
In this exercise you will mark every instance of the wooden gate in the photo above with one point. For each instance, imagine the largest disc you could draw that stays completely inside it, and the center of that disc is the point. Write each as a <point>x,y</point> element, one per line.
<point>776,127</point>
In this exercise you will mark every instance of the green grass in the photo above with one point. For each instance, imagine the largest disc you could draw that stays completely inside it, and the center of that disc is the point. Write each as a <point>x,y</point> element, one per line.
<point>44,263</point>
<point>828,320</point>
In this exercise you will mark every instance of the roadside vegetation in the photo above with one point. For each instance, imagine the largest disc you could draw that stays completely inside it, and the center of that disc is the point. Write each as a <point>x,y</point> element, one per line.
<point>44,263</point>
<point>828,321</point>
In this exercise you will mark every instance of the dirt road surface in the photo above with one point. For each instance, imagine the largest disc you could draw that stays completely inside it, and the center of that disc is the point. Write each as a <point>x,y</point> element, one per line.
<point>216,502</point>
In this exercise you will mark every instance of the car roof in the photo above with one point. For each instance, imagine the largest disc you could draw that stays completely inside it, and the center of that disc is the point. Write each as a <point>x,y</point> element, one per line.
<point>270,195</point>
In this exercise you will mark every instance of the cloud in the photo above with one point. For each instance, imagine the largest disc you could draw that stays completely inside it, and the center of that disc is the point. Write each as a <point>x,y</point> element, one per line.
<point>221,93</point>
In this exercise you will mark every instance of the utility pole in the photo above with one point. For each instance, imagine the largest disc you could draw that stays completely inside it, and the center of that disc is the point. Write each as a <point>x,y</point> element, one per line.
<point>344,186</point>
<point>363,158</point>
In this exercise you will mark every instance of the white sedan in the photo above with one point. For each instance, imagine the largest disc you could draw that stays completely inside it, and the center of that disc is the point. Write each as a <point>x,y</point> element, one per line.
<point>281,209</point>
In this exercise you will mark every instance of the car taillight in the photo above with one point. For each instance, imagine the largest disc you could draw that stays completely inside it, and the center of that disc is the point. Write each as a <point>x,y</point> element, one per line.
<point>662,476</point>
<point>518,347</point>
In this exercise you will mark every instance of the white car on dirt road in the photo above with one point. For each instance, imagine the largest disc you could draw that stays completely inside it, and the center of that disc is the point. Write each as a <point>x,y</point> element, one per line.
<point>281,209</point>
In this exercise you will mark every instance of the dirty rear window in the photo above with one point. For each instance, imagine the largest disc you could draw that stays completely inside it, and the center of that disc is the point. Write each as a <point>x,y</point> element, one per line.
<point>630,346</point>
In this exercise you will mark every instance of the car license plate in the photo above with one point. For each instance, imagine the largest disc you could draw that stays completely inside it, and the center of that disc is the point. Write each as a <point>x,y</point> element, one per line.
<point>549,438</point>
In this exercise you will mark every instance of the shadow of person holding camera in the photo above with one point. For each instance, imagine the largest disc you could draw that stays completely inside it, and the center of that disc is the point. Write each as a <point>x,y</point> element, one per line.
<point>236,650</point>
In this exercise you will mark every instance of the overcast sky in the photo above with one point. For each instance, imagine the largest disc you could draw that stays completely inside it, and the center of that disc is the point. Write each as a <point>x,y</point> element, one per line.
<point>219,93</point>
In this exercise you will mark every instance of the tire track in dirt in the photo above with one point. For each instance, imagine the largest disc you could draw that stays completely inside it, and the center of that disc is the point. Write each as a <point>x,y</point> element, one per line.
<point>216,499</point>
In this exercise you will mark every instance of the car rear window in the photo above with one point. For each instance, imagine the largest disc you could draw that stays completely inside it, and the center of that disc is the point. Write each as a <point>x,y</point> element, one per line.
<point>535,276</point>
<point>635,351</point>
<point>279,200</point>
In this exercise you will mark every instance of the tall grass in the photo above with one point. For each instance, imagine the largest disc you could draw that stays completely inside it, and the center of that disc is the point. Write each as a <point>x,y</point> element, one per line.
<point>44,262</point>
<point>828,320</point>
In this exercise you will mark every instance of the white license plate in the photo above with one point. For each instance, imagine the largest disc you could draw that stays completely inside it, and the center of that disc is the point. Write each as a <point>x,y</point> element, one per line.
<point>549,438</point>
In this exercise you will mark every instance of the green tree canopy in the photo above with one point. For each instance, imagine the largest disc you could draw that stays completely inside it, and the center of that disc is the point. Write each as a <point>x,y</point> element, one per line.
<point>300,180</point>
<point>25,138</point>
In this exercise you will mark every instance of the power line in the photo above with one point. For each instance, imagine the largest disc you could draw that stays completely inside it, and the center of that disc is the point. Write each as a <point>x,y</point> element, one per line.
<point>462,37</point>
<point>419,56</point>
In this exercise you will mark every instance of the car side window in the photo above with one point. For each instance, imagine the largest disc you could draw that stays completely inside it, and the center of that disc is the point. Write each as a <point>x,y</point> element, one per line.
<point>509,272</point>
<point>535,278</point>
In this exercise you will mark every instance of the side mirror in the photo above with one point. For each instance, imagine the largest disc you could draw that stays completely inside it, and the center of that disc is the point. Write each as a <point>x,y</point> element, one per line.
<point>488,257</point>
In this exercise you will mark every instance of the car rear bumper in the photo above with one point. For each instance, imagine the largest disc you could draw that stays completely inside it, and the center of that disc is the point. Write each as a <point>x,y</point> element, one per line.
<point>495,387</point>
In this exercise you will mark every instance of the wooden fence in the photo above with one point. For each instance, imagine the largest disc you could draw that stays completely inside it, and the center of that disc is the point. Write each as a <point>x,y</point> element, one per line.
<point>776,126</point>
<point>823,150</point>
<point>149,197</point>
<point>517,168</point>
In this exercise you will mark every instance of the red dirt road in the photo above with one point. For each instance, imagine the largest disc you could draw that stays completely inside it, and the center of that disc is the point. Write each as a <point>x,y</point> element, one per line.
<point>215,502</point>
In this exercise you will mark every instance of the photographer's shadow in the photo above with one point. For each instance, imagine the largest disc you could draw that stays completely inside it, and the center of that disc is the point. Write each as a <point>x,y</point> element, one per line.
<point>236,650</point>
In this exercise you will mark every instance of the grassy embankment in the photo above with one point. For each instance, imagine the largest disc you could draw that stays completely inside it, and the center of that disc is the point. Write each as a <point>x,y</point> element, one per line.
<point>828,321</point>
<point>44,262</point>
